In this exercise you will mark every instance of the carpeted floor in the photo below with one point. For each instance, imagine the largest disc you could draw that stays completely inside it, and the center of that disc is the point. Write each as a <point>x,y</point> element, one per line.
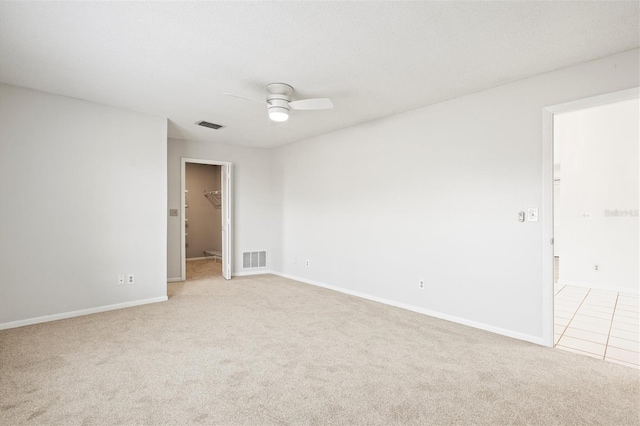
<point>265,350</point>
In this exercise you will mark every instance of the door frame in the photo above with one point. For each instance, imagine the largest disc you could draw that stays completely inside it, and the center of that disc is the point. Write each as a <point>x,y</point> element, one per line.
<point>227,223</point>
<point>547,194</point>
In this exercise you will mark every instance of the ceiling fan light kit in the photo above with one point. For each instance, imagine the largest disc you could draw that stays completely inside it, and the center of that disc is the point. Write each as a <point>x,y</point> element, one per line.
<point>279,103</point>
<point>278,114</point>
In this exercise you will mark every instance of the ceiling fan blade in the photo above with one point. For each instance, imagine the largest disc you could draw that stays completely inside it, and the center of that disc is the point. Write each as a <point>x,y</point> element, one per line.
<point>244,98</point>
<point>309,104</point>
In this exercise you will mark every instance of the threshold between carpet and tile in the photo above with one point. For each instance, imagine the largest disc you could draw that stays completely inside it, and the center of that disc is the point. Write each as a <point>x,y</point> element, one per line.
<point>598,323</point>
<point>268,350</point>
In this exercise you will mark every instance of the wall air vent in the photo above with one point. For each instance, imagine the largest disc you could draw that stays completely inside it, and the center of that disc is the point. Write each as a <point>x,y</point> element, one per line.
<point>209,125</point>
<point>254,259</point>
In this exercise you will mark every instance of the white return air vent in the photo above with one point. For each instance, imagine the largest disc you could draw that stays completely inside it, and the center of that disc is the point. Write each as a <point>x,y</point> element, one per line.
<point>254,259</point>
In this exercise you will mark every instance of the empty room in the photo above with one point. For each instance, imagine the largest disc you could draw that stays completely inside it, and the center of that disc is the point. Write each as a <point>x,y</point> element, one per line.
<point>322,212</point>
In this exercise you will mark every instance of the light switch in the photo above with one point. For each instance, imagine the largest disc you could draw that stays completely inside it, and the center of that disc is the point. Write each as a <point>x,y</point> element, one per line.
<point>532,214</point>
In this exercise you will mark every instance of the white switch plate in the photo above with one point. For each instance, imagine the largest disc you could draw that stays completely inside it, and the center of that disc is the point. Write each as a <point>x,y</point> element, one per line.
<point>120,279</point>
<point>532,214</point>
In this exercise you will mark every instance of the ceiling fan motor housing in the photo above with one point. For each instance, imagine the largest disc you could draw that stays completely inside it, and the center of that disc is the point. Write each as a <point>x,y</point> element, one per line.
<point>278,105</point>
<point>278,98</point>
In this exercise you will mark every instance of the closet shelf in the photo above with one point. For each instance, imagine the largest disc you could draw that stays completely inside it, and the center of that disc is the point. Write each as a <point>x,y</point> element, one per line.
<point>214,198</point>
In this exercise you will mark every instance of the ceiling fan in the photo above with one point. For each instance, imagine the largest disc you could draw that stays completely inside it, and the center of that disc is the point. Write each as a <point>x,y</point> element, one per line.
<point>279,102</point>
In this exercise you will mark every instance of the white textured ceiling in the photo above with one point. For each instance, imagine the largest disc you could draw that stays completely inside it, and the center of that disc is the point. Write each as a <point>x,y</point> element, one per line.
<point>374,59</point>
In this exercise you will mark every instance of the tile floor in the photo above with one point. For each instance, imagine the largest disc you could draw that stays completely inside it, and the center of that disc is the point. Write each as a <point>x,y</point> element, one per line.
<point>590,322</point>
<point>597,323</point>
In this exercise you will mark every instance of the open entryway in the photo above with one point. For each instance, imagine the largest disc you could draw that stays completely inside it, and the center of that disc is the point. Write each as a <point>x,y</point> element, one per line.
<point>591,208</point>
<point>206,212</point>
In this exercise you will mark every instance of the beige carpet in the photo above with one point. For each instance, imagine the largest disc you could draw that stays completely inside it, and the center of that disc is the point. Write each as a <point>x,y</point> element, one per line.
<point>264,350</point>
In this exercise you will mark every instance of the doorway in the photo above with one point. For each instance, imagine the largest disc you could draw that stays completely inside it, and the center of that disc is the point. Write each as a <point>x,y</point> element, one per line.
<point>590,218</point>
<point>210,213</point>
<point>202,221</point>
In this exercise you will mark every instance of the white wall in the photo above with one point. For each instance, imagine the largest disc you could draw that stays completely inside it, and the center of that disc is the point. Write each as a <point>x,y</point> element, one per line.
<point>256,201</point>
<point>599,151</point>
<point>434,194</point>
<point>430,194</point>
<point>83,196</point>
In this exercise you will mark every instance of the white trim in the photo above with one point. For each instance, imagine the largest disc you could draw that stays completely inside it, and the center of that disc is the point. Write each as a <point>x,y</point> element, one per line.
<point>226,185</point>
<point>547,194</point>
<point>452,318</point>
<point>248,273</point>
<point>82,312</point>
<point>547,222</point>
<point>183,254</point>
<point>174,280</point>
<point>198,258</point>
<point>607,98</point>
<point>598,287</point>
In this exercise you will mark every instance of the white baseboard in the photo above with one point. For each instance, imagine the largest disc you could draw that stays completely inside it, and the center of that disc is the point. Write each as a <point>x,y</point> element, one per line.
<point>452,318</point>
<point>247,273</point>
<point>82,312</point>
<point>198,258</point>
<point>173,280</point>
<point>598,286</point>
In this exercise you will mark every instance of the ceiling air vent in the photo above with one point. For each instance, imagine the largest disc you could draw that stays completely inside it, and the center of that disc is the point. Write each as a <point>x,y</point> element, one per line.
<point>209,125</point>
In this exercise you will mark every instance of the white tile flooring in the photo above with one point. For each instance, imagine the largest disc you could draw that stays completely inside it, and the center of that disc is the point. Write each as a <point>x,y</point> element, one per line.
<point>597,323</point>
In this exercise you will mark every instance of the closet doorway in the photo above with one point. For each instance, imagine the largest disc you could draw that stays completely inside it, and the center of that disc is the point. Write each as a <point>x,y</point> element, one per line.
<point>206,214</point>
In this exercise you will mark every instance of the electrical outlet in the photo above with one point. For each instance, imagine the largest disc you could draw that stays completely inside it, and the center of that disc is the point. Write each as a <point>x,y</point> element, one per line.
<point>120,279</point>
<point>596,267</point>
<point>421,284</point>
<point>130,279</point>
<point>307,263</point>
